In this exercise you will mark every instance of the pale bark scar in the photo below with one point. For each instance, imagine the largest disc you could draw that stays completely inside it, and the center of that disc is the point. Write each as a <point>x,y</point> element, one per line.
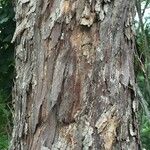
<point>106,126</point>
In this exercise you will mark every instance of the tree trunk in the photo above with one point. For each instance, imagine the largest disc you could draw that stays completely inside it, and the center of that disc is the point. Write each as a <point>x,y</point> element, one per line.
<point>75,87</point>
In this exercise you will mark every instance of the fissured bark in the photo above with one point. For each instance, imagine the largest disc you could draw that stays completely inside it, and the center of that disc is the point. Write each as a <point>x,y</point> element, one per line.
<point>75,87</point>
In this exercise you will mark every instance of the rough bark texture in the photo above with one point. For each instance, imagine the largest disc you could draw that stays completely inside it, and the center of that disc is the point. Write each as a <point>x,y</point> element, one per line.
<point>75,83</point>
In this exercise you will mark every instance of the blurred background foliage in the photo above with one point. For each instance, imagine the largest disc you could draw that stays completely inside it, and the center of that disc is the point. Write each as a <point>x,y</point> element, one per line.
<point>142,67</point>
<point>7,73</point>
<point>7,27</point>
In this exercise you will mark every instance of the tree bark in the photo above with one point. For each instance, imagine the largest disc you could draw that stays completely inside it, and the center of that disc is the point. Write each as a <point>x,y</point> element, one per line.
<point>75,87</point>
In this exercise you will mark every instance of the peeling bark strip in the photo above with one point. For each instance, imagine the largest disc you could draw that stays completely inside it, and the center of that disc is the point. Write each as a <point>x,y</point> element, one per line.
<point>75,83</point>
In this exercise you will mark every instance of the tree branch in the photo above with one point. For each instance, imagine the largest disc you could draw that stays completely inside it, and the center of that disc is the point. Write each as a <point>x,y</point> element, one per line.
<point>147,2</point>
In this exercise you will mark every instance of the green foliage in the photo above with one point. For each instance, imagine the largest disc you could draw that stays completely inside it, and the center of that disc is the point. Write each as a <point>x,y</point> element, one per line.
<point>7,27</point>
<point>3,141</point>
<point>145,132</point>
<point>142,71</point>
